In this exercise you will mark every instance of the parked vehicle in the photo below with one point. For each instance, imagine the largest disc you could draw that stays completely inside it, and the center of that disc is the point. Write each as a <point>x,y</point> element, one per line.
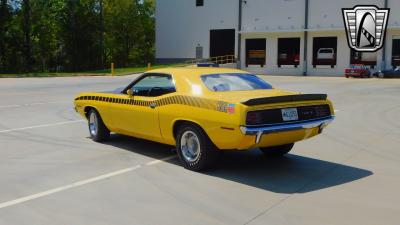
<point>396,60</point>
<point>288,59</point>
<point>391,73</point>
<point>326,53</point>
<point>256,57</point>
<point>203,111</point>
<point>325,56</point>
<point>365,58</point>
<point>357,70</point>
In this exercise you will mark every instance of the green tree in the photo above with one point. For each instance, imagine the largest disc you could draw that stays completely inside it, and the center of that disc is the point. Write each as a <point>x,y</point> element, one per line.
<point>5,16</point>
<point>75,35</point>
<point>47,16</point>
<point>26,27</point>
<point>80,32</point>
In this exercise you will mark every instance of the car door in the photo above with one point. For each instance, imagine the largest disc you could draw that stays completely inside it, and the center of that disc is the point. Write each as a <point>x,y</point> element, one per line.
<point>139,117</point>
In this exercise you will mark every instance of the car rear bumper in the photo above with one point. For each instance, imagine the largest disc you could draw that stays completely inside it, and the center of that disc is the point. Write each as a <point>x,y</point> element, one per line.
<point>260,130</point>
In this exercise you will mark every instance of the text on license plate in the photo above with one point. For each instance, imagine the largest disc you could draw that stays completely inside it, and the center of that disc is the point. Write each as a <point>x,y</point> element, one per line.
<point>289,114</point>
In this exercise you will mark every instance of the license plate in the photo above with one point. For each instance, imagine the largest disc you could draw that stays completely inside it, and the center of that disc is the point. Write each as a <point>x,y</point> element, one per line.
<point>289,114</point>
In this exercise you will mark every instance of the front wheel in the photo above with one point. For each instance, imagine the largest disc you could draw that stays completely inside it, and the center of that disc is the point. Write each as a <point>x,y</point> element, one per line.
<point>277,151</point>
<point>98,131</point>
<point>195,150</point>
<point>381,75</point>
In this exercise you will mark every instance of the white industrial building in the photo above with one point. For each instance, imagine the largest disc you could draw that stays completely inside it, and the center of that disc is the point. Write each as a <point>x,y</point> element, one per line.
<point>270,36</point>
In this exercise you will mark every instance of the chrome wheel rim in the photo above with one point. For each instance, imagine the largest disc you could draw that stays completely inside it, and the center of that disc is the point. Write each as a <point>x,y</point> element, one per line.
<point>380,75</point>
<point>190,146</point>
<point>93,124</point>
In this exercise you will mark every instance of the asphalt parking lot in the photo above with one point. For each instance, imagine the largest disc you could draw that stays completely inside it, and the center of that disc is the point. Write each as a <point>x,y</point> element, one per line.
<point>52,173</point>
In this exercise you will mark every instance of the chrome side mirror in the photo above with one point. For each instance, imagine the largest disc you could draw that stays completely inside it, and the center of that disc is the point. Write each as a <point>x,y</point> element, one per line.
<point>130,93</point>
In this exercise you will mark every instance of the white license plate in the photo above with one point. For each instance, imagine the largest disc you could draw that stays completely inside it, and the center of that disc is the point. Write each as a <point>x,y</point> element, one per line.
<point>289,114</point>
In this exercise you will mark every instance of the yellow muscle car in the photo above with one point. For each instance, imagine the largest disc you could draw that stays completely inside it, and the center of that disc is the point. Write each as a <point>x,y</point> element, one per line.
<point>204,111</point>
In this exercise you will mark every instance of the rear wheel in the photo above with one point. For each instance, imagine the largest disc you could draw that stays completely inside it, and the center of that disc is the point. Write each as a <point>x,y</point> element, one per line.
<point>381,75</point>
<point>98,131</point>
<point>277,151</point>
<point>194,148</point>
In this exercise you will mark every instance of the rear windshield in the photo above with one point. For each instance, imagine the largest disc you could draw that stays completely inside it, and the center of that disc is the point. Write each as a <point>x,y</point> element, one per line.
<point>234,82</point>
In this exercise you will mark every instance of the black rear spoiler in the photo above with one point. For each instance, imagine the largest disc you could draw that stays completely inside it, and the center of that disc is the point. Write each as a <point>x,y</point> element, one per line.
<point>285,98</point>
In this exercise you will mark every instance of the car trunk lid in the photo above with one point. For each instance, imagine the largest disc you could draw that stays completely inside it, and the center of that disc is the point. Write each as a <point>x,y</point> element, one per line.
<point>262,97</point>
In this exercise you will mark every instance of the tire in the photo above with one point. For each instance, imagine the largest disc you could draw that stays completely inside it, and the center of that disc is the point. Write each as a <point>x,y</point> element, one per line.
<point>381,75</point>
<point>347,76</point>
<point>194,148</point>
<point>277,151</point>
<point>97,130</point>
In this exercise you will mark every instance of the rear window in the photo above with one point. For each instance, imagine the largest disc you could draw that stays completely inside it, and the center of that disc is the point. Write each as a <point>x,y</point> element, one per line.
<point>234,82</point>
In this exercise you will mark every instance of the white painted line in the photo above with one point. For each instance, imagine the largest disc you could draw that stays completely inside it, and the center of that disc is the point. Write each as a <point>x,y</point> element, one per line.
<point>337,110</point>
<point>66,187</point>
<point>32,104</point>
<point>160,160</point>
<point>40,126</point>
<point>80,183</point>
<point>9,106</point>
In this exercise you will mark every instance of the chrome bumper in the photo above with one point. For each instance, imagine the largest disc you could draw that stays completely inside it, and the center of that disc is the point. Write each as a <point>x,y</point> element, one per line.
<point>259,131</point>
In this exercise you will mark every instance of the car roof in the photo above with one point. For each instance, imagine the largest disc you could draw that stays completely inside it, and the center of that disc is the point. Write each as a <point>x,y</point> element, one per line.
<point>186,77</point>
<point>195,71</point>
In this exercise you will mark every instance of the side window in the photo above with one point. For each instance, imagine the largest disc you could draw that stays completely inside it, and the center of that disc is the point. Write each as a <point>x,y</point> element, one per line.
<point>154,85</point>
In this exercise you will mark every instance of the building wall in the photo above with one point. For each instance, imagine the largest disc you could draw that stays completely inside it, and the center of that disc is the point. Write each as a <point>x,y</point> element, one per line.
<point>343,54</point>
<point>327,14</point>
<point>271,66</point>
<point>394,19</point>
<point>181,26</point>
<point>276,15</point>
<point>390,35</point>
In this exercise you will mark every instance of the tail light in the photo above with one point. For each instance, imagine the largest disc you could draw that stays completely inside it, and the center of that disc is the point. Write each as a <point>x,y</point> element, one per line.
<point>253,118</point>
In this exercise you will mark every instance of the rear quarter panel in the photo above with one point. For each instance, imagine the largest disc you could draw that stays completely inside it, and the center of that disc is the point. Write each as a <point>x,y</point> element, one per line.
<point>219,124</point>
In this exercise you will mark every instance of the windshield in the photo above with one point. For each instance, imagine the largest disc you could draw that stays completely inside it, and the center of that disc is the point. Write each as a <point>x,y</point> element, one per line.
<point>234,82</point>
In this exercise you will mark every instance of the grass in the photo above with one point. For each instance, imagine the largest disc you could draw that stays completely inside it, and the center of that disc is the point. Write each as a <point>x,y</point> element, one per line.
<point>106,72</point>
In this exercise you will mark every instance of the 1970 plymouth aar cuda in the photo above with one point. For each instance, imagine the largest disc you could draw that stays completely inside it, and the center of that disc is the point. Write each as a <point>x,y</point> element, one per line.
<point>204,111</point>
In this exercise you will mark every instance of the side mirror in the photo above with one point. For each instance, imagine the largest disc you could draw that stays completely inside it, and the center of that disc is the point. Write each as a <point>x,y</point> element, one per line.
<point>130,93</point>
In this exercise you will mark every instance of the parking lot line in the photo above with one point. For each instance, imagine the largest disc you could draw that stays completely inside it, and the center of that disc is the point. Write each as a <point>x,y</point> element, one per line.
<point>80,183</point>
<point>40,126</point>
<point>66,187</point>
<point>154,162</point>
<point>33,104</point>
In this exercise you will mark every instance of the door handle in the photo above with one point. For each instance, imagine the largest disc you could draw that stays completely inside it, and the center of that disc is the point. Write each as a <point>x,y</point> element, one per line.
<point>153,105</point>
